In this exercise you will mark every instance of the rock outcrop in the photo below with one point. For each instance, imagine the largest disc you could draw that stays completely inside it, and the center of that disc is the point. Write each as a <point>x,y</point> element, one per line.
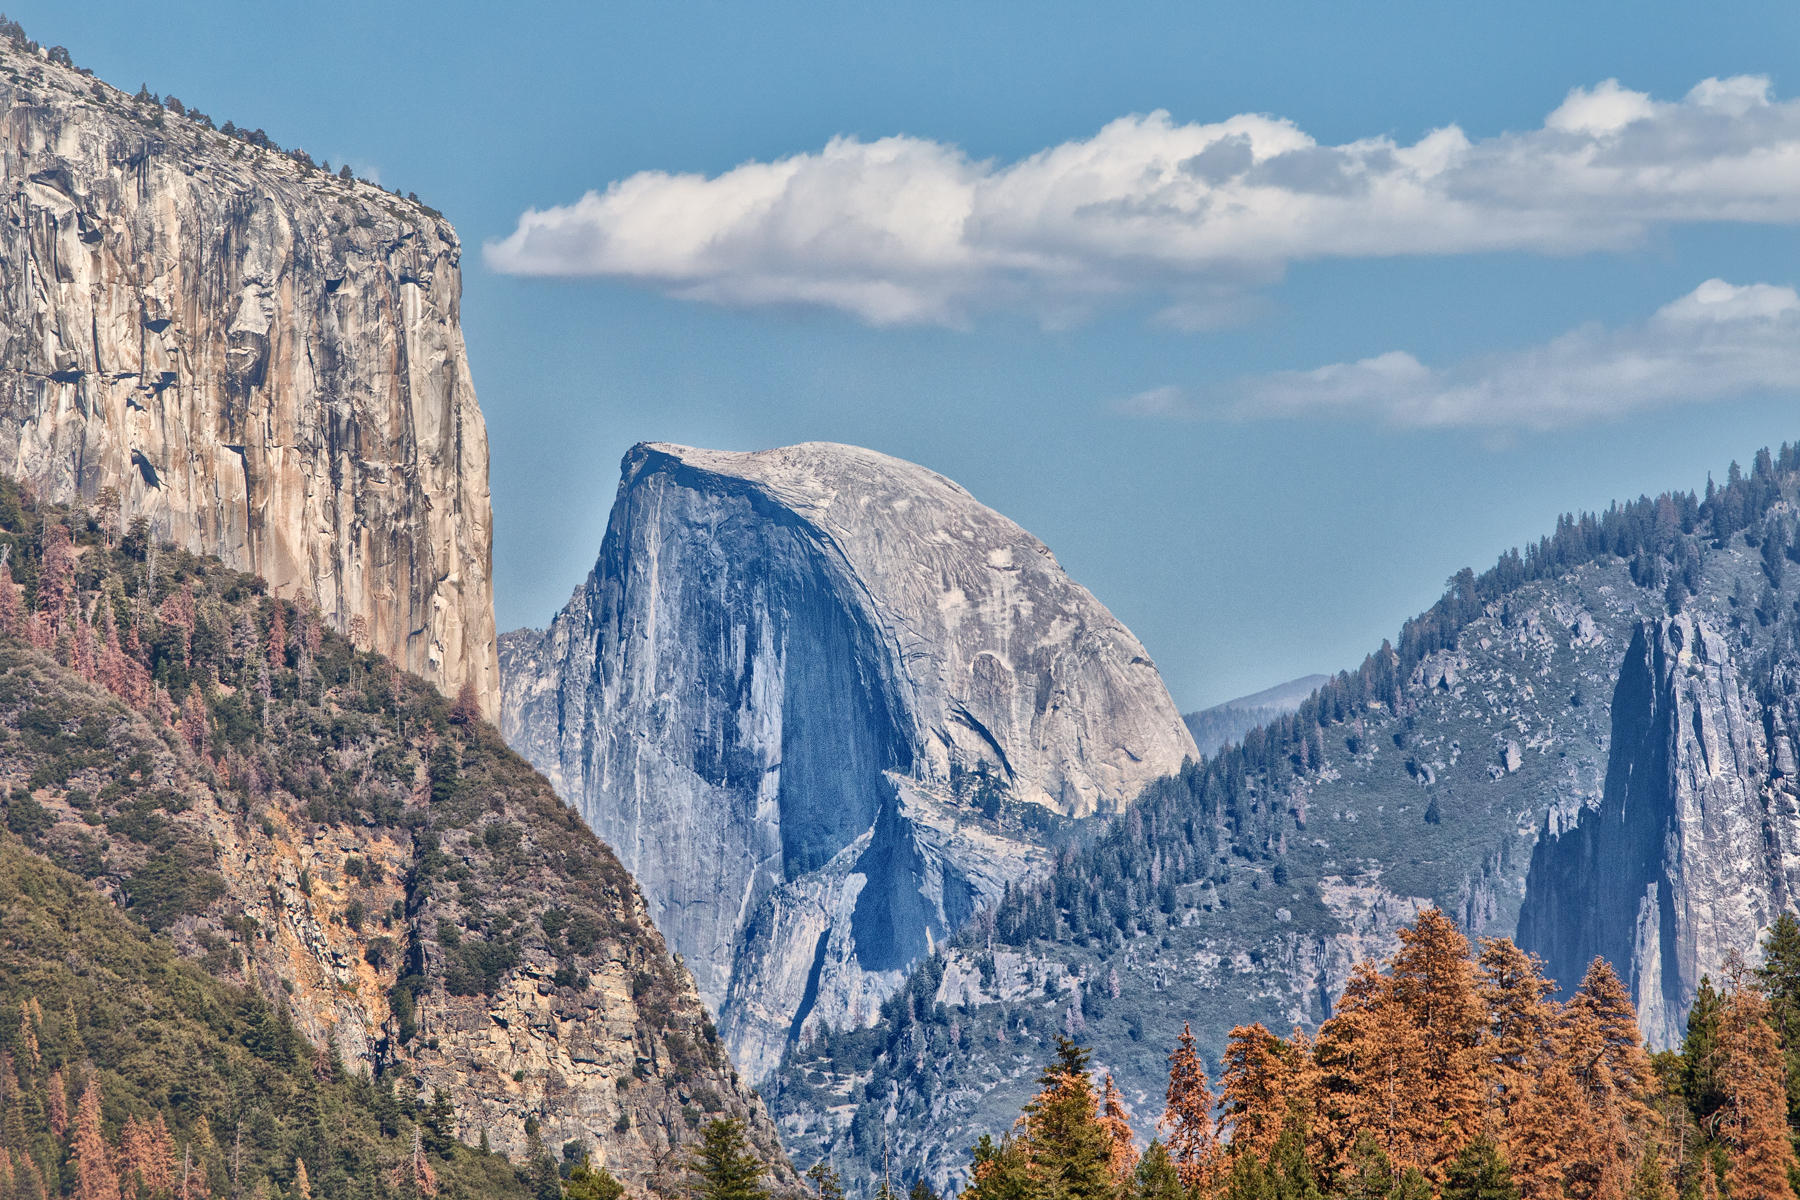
<point>1693,850</point>
<point>261,358</point>
<point>311,823</point>
<point>817,698</point>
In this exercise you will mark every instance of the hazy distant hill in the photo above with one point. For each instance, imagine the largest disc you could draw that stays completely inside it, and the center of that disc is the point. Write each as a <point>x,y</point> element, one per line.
<point>1217,727</point>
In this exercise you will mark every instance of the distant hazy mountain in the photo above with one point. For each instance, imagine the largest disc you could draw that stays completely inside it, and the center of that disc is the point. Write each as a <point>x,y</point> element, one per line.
<point>1217,727</point>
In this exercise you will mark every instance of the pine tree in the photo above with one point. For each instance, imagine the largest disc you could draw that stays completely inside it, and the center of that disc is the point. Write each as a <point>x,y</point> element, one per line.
<point>1432,985</point>
<point>1115,1119</point>
<point>146,1158</point>
<point>540,1168</point>
<point>1779,975</point>
<point>1479,1172</point>
<point>94,1177</point>
<point>722,1166</point>
<point>588,1182</point>
<point>1367,1174</point>
<point>1650,1183</point>
<point>1754,1113</point>
<point>1069,1151</point>
<point>302,1184</point>
<point>1358,1053</point>
<point>1291,1175</point>
<point>1700,1052</point>
<point>1255,1087</point>
<point>1188,1121</point>
<point>825,1181</point>
<point>999,1172</point>
<point>1156,1177</point>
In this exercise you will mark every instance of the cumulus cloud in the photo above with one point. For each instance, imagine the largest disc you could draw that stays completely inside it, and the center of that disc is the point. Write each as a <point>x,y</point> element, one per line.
<point>1718,342</point>
<point>908,230</point>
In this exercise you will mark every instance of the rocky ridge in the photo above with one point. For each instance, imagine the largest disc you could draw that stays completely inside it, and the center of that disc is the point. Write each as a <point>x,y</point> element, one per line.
<point>1246,888</point>
<point>824,704</point>
<point>261,358</point>
<point>1695,846</point>
<point>307,821</point>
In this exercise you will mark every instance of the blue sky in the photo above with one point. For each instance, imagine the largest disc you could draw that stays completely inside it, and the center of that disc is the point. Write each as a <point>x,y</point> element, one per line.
<point>1262,442</point>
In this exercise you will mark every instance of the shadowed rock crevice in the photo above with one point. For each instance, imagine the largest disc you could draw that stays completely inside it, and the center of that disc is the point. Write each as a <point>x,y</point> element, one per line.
<point>1683,860</point>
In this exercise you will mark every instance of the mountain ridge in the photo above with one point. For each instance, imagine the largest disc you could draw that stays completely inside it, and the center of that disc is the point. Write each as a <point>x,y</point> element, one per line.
<point>826,704</point>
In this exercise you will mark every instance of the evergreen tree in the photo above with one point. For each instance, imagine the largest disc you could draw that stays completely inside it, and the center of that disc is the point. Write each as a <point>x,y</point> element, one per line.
<point>1650,1183</point>
<point>1432,985</point>
<point>1290,1175</point>
<point>1754,1110</point>
<point>722,1165</point>
<point>1479,1172</point>
<point>1157,1177</point>
<point>1188,1118</point>
<point>1069,1151</point>
<point>999,1172</point>
<point>94,1175</point>
<point>1115,1118</point>
<point>1256,1089</point>
<point>1368,1175</point>
<point>825,1182</point>
<point>1779,975</point>
<point>587,1182</point>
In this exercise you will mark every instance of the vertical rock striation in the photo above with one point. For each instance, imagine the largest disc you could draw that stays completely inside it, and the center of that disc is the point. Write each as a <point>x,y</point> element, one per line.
<point>1695,846</point>
<point>801,693</point>
<point>262,359</point>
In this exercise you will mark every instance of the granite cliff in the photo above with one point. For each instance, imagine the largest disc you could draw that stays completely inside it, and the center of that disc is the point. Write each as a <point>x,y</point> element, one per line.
<point>262,359</point>
<point>1695,845</point>
<point>824,704</point>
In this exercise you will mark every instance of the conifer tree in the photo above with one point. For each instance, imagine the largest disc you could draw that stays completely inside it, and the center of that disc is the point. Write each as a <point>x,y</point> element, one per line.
<point>1255,1087</point>
<point>825,1182</point>
<point>1290,1174</point>
<point>999,1172</point>
<point>1513,989</point>
<point>1367,1174</point>
<point>1479,1172</point>
<point>1779,975</point>
<point>1188,1121</point>
<point>1115,1118</point>
<point>723,1166</point>
<point>588,1182</point>
<point>1068,1149</point>
<point>1157,1177</point>
<point>1358,1053</point>
<point>1753,1116</point>
<point>1432,986</point>
<point>1650,1183</point>
<point>94,1176</point>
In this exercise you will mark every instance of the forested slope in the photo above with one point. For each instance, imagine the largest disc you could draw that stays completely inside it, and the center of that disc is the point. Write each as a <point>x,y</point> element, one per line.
<point>1246,888</point>
<point>330,834</point>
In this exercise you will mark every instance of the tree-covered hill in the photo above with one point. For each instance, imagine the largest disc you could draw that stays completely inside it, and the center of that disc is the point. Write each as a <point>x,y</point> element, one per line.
<point>331,835</point>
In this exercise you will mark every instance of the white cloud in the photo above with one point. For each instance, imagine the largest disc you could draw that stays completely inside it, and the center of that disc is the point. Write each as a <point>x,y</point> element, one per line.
<point>1718,342</point>
<point>1192,216</point>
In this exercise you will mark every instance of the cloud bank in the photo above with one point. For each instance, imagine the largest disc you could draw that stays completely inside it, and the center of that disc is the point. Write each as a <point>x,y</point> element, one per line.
<point>908,230</point>
<point>1720,341</point>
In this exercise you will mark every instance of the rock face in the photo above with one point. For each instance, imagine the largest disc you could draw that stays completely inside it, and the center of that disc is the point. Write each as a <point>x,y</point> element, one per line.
<point>367,855</point>
<point>1694,848</point>
<point>262,359</point>
<point>816,697</point>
